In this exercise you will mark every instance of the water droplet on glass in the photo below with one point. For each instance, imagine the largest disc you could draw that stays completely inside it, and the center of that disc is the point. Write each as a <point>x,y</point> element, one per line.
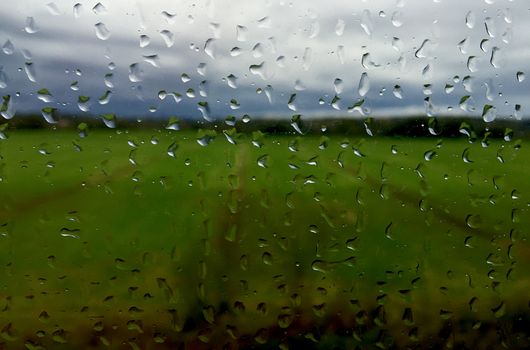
<point>259,70</point>
<point>265,22</point>
<point>397,19</point>
<point>364,84</point>
<point>263,160</point>
<point>109,120</point>
<point>366,22</point>
<point>474,221</point>
<point>77,9</point>
<point>257,50</point>
<point>495,59</point>
<point>169,17</point>
<point>470,19</point>
<point>472,63</point>
<point>135,73</point>
<point>31,26</point>
<point>490,26</point>
<point>429,155</point>
<point>398,93</point>
<point>83,102</point>
<point>307,59</point>
<point>339,27</point>
<point>291,103</point>
<point>8,48</point>
<point>489,113</point>
<point>29,68</point>
<point>101,31</point>
<point>44,95</point>
<point>209,47</point>
<point>168,37</point>
<point>241,33</point>
<point>153,60</point>
<point>463,45</point>
<point>49,114</point>
<point>99,9</point>
<point>145,40</point>
<point>338,85</point>
<point>425,49</point>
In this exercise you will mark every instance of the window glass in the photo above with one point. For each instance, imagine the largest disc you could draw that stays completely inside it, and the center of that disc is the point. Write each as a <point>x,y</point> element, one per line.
<point>264,174</point>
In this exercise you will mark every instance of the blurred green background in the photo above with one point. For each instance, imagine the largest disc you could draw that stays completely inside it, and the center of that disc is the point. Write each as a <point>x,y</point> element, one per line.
<point>147,239</point>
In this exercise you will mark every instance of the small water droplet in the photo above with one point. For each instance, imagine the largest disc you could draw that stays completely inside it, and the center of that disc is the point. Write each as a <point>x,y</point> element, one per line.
<point>102,31</point>
<point>31,26</point>
<point>99,9</point>
<point>168,37</point>
<point>364,84</point>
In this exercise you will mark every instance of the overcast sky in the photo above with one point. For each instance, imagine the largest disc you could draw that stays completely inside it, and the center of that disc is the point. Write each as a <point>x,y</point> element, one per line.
<point>401,57</point>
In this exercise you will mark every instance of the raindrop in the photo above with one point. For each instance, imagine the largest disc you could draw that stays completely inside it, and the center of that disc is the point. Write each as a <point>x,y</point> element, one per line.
<point>241,33</point>
<point>30,27</point>
<point>488,113</point>
<point>463,45</point>
<point>105,98</point>
<point>264,22</point>
<point>209,48</point>
<point>153,60</point>
<point>3,78</point>
<point>291,102</point>
<point>339,27</point>
<point>99,9</point>
<point>101,31</point>
<point>108,80</point>
<point>397,44</point>
<point>44,95</point>
<point>338,85</point>
<point>168,37</point>
<point>235,51</point>
<point>425,49</point>
<point>49,115</point>
<point>83,102</point>
<point>397,19</point>
<point>484,45</point>
<point>398,93</point>
<point>307,59</point>
<point>470,19</point>
<point>364,84</point>
<point>78,8</point>
<point>262,161</point>
<point>257,50</point>
<point>231,80</point>
<point>201,69</point>
<point>495,57</point>
<point>135,73</point>
<point>109,120</point>
<point>429,155</point>
<point>472,64</point>
<point>474,221</point>
<point>8,48</point>
<point>490,27</point>
<point>314,29</point>
<point>366,22</point>
<point>259,70</point>
<point>144,40</point>
<point>427,72</point>
<point>340,53</point>
<point>169,17</point>
<point>29,68</point>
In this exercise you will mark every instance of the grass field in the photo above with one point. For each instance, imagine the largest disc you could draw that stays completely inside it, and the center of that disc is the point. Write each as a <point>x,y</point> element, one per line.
<point>108,241</point>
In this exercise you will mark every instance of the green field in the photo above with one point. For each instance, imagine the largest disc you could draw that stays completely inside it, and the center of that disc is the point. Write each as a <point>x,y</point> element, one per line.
<point>109,242</point>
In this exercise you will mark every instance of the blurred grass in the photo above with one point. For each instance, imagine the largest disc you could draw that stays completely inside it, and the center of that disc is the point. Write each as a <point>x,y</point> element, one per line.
<point>177,245</point>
